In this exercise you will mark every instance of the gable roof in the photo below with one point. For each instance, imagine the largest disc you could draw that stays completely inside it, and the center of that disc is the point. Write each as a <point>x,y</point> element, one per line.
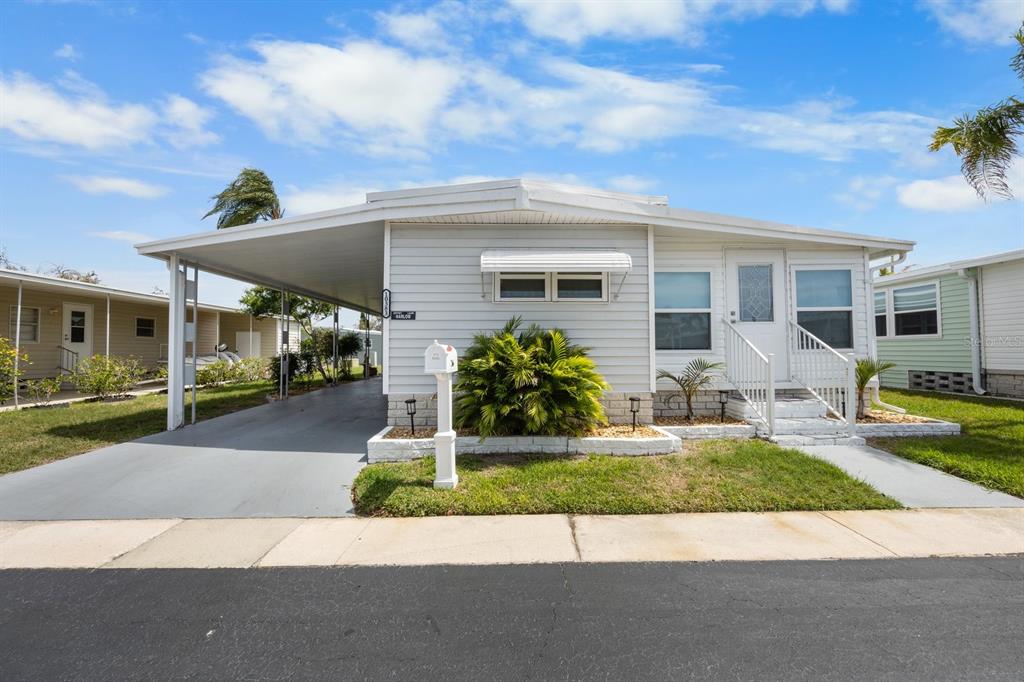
<point>951,267</point>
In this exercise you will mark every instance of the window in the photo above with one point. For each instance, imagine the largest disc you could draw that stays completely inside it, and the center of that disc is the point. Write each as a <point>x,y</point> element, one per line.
<point>524,286</point>
<point>77,326</point>
<point>824,305</point>
<point>29,324</point>
<point>881,313</point>
<point>582,286</point>
<point>556,286</point>
<point>757,298</point>
<point>915,310</point>
<point>682,310</point>
<point>145,327</point>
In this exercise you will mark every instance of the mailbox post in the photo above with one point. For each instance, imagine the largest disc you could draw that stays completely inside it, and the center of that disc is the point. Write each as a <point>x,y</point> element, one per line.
<point>442,361</point>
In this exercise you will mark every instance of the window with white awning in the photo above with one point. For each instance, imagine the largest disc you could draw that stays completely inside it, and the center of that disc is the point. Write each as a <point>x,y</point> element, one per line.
<point>531,275</point>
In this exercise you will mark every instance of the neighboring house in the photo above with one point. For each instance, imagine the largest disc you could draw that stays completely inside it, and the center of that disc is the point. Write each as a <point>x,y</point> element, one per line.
<point>372,341</point>
<point>63,321</point>
<point>955,327</point>
<point>642,285</point>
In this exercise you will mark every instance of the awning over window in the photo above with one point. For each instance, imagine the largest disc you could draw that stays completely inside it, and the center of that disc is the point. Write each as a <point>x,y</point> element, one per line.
<point>531,260</point>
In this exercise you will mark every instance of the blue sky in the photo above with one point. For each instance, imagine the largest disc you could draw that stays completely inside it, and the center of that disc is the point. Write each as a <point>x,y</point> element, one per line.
<point>119,121</point>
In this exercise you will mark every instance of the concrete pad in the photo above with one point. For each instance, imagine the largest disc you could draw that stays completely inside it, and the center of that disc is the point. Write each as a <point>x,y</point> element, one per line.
<point>463,540</point>
<point>9,528</point>
<point>912,484</point>
<point>316,542</point>
<point>209,543</point>
<point>76,544</point>
<point>719,537</point>
<point>940,532</point>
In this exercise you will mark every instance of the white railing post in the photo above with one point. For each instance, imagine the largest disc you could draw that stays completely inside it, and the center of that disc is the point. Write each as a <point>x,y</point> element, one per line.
<point>769,383</point>
<point>851,394</point>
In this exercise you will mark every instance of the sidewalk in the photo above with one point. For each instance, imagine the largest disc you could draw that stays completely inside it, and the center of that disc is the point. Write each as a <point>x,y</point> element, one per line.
<point>242,543</point>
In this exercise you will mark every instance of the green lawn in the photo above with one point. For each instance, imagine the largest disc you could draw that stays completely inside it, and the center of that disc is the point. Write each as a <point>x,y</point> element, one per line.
<point>711,476</point>
<point>990,449</point>
<point>35,436</point>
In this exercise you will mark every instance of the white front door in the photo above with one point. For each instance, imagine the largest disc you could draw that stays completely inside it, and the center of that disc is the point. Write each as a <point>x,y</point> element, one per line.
<point>78,332</point>
<point>756,301</point>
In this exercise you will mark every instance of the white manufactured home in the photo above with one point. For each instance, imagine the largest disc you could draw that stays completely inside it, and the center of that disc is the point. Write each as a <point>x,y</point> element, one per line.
<point>645,286</point>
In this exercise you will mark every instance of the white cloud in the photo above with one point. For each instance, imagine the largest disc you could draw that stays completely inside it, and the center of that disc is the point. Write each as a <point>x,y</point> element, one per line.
<point>946,195</point>
<point>978,21</point>
<point>574,21</point>
<point>186,123</point>
<point>108,184</point>
<point>863,192</point>
<point>631,183</point>
<point>122,236</point>
<point>706,68</point>
<point>324,197</point>
<point>37,112</point>
<point>415,30</point>
<point>308,92</point>
<point>67,51</point>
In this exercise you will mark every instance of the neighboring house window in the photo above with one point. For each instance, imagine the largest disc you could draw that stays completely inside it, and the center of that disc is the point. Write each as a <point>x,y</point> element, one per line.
<point>29,324</point>
<point>557,286</point>
<point>581,286</point>
<point>682,310</point>
<point>915,310</point>
<point>521,286</point>
<point>824,305</point>
<point>881,312</point>
<point>145,327</point>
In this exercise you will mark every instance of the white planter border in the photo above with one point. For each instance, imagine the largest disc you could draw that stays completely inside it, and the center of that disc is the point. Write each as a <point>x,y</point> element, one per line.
<point>708,431</point>
<point>932,427</point>
<point>381,449</point>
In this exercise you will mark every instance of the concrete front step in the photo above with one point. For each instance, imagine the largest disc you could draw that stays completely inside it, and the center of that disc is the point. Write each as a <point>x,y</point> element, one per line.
<point>793,440</point>
<point>785,408</point>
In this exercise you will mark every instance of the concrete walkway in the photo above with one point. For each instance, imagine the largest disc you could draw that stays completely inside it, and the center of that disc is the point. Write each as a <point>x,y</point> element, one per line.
<point>912,484</point>
<point>241,543</point>
<point>295,458</point>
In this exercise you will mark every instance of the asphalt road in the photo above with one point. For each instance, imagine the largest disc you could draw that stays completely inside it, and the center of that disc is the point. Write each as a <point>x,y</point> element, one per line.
<point>881,619</point>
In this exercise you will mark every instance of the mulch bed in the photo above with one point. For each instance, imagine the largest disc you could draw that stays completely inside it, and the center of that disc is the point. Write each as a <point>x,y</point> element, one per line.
<point>884,417</point>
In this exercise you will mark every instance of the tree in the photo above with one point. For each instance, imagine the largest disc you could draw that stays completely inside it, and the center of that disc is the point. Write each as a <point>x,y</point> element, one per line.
<point>6,262</point>
<point>695,376</point>
<point>371,322</point>
<point>64,272</point>
<point>867,369</point>
<point>349,345</point>
<point>264,302</point>
<point>248,199</point>
<point>987,141</point>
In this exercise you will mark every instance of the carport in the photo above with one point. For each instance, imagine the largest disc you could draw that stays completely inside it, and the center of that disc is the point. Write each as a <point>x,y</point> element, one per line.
<point>294,458</point>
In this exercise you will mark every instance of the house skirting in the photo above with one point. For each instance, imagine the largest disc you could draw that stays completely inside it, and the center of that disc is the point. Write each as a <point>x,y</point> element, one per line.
<point>1005,382</point>
<point>616,407</point>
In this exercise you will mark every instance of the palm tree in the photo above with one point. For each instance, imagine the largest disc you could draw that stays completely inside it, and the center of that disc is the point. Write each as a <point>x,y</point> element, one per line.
<point>987,142</point>
<point>695,376</point>
<point>249,198</point>
<point>867,369</point>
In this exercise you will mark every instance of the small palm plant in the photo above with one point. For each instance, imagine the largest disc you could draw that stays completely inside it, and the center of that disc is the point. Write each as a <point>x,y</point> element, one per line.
<point>867,369</point>
<point>528,382</point>
<point>697,374</point>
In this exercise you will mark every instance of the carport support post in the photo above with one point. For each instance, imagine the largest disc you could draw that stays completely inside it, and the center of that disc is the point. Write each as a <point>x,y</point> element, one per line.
<point>17,345</point>
<point>175,345</point>
<point>334,358</point>
<point>108,327</point>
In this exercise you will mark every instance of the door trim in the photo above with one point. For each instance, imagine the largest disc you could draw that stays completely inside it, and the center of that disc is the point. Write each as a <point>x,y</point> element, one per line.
<point>90,330</point>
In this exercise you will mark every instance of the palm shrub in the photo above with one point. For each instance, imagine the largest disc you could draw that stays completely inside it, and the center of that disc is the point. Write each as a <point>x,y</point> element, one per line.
<point>697,374</point>
<point>530,382</point>
<point>866,370</point>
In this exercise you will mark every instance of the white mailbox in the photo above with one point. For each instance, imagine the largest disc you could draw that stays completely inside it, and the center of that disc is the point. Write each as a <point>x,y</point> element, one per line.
<point>440,359</point>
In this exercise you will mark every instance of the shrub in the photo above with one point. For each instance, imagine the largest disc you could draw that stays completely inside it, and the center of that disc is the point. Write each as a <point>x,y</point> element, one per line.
<point>214,373</point>
<point>274,369</point>
<point>41,390</point>
<point>7,371</point>
<point>106,377</point>
<point>250,369</point>
<point>529,382</point>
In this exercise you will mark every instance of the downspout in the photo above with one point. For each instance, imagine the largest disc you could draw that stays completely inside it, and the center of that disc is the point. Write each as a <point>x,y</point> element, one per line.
<point>875,384</point>
<point>891,264</point>
<point>972,296</point>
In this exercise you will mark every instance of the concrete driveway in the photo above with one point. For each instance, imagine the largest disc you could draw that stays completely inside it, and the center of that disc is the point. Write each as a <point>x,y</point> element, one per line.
<point>295,458</point>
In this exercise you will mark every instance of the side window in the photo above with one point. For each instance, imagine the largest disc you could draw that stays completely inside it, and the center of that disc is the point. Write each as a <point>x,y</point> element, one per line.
<point>824,305</point>
<point>682,310</point>
<point>916,310</point>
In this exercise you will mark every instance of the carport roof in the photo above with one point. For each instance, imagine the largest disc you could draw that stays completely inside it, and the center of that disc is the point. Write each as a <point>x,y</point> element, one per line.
<point>338,255</point>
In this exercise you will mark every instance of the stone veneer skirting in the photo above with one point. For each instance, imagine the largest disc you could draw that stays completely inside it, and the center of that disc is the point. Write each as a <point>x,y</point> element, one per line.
<point>380,449</point>
<point>930,428</point>
<point>1006,383</point>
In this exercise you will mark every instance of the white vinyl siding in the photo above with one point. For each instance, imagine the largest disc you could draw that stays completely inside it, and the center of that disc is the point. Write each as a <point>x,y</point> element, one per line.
<point>1002,294</point>
<point>435,271</point>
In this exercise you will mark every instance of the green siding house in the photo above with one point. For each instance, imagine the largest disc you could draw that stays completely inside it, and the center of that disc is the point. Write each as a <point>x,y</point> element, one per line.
<point>954,327</point>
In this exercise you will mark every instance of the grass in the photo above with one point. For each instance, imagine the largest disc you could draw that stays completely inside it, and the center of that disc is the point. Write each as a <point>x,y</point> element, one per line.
<point>711,476</point>
<point>989,450</point>
<point>35,436</point>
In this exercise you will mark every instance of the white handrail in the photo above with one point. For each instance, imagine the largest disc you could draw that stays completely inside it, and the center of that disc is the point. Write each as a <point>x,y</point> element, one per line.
<point>826,373</point>
<point>752,373</point>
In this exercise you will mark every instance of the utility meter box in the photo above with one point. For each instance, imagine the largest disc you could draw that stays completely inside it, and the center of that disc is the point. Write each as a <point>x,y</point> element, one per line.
<point>440,359</point>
